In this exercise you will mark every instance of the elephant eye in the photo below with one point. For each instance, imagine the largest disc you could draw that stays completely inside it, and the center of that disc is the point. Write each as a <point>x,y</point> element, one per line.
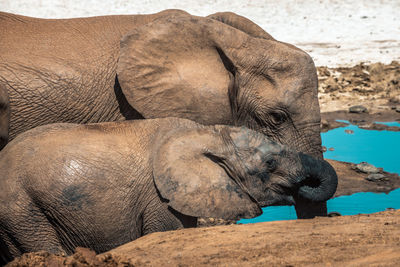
<point>278,117</point>
<point>271,164</point>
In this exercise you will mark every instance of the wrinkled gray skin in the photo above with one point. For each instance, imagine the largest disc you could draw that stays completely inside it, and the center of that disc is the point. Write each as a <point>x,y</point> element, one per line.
<point>222,69</point>
<point>102,185</point>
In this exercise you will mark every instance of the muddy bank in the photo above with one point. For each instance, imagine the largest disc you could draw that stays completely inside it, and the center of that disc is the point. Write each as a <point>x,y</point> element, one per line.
<point>362,94</point>
<point>361,240</point>
<point>375,86</point>
<point>363,120</point>
<point>351,181</point>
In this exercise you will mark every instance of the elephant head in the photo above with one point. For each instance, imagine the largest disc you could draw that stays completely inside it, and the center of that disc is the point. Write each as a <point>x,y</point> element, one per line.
<point>213,73</point>
<point>219,71</point>
<point>230,172</point>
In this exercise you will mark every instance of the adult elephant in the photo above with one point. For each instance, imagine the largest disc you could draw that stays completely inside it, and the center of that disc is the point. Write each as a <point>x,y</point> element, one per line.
<point>222,69</point>
<point>103,185</point>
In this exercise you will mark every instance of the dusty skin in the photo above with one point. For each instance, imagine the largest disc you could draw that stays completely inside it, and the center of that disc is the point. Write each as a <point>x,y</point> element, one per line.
<point>361,240</point>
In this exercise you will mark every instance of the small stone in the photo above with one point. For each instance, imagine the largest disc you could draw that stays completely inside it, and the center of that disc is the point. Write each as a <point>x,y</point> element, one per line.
<point>375,177</point>
<point>358,109</point>
<point>334,214</point>
<point>349,131</point>
<point>331,149</point>
<point>326,72</point>
<point>324,149</point>
<point>398,109</point>
<point>366,168</point>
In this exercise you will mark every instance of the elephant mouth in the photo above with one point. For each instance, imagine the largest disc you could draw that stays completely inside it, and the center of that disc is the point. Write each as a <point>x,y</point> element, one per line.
<point>283,200</point>
<point>278,195</point>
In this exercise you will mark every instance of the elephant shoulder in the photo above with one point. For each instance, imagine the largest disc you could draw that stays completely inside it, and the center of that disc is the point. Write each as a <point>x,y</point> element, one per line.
<point>42,133</point>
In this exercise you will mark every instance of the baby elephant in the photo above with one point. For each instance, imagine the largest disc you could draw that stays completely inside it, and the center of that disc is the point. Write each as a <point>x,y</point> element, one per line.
<point>103,185</point>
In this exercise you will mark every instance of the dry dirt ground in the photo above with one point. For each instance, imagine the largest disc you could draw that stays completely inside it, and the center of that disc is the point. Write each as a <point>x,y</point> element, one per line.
<point>362,240</point>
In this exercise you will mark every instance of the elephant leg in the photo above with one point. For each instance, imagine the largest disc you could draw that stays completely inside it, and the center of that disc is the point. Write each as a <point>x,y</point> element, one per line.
<point>241,23</point>
<point>159,218</point>
<point>7,249</point>
<point>306,209</point>
<point>4,116</point>
<point>26,229</point>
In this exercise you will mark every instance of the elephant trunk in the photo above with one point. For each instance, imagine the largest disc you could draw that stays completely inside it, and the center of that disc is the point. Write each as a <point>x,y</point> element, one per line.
<point>320,180</point>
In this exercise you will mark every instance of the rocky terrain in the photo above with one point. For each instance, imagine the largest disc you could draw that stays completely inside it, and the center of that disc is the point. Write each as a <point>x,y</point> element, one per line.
<point>375,87</point>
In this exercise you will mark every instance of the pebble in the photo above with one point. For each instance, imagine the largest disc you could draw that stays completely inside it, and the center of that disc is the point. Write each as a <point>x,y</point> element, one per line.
<point>324,149</point>
<point>349,131</point>
<point>398,109</point>
<point>367,168</point>
<point>358,109</point>
<point>331,149</point>
<point>375,177</point>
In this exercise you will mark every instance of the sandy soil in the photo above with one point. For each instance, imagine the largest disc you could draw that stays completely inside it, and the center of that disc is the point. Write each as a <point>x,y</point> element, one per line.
<point>361,240</point>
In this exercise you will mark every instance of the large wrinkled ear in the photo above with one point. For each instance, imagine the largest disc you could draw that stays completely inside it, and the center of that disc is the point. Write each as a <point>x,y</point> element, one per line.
<point>241,23</point>
<point>188,174</point>
<point>179,66</point>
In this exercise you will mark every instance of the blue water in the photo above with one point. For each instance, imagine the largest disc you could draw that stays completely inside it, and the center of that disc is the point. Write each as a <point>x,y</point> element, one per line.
<point>380,148</point>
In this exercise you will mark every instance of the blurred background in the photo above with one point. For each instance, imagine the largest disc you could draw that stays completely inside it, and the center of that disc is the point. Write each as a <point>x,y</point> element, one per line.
<point>334,32</point>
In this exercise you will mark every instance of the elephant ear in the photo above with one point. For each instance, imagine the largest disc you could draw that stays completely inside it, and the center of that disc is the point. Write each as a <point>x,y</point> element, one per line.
<point>189,177</point>
<point>174,66</point>
<point>241,23</point>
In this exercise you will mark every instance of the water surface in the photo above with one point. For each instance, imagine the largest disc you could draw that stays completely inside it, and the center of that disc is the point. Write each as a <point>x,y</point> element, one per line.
<point>379,148</point>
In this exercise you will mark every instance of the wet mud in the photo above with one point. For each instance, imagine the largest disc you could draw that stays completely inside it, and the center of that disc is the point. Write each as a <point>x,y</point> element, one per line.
<point>376,87</point>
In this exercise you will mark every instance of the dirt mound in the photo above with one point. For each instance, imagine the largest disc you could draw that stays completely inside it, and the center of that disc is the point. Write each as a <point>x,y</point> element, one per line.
<point>82,257</point>
<point>339,241</point>
<point>361,240</point>
<point>375,86</point>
